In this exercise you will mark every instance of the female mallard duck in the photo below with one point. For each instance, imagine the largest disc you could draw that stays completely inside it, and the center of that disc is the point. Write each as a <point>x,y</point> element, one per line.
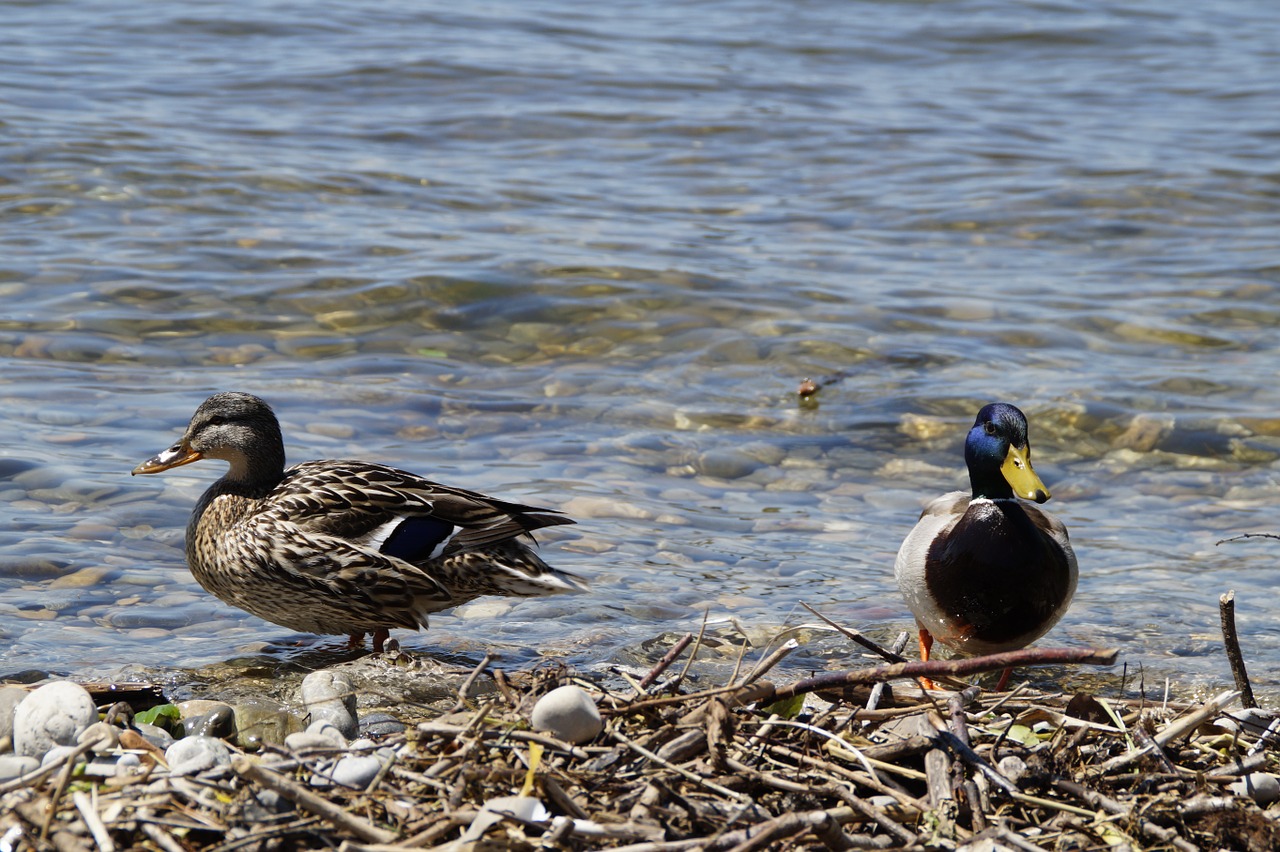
<point>344,546</point>
<point>986,572</point>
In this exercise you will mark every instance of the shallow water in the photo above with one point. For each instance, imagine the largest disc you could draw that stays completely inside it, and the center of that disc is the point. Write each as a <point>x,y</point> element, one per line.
<point>582,259</point>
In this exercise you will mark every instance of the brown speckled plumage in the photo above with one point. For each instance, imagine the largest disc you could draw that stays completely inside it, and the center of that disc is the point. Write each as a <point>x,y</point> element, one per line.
<point>344,546</point>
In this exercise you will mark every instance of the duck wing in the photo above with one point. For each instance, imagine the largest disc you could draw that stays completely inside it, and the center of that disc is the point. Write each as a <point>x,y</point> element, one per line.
<point>396,513</point>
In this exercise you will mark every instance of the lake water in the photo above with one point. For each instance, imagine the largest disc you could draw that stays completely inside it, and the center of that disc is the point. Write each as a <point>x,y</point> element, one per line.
<point>582,255</point>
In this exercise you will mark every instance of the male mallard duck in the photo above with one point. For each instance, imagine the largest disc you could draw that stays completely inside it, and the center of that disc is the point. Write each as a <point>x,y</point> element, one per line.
<point>344,546</point>
<point>986,572</point>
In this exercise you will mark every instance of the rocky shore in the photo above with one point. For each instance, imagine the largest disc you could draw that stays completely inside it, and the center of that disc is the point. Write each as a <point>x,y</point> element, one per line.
<point>857,759</point>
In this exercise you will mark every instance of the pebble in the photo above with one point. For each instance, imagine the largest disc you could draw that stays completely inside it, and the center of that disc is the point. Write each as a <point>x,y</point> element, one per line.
<point>1012,767</point>
<point>569,714</point>
<point>154,734</point>
<point>329,731</point>
<point>303,742</point>
<point>725,464</point>
<point>1262,787</point>
<point>381,725</point>
<point>260,721</point>
<point>13,766</point>
<point>207,719</point>
<point>57,754</point>
<point>356,771</point>
<point>127,763</point>
<point>196,754</point>
<point>103,736</point>
<point>55,714</point>
<point>330,697</point>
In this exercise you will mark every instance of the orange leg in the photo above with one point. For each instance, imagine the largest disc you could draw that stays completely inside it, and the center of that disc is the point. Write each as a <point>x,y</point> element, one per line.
<point>380,635</point>
<point>355,640</point>
<point>1004,679</point>
<point>926,645</point>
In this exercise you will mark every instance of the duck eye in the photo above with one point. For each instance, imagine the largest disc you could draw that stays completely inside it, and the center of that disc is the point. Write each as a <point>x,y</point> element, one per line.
<point>989,427</point>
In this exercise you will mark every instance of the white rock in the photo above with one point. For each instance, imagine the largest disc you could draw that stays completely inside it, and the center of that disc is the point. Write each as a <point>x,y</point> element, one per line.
<point>330,697</point>
<point>196,754</point>
<point>356,770</point>
<point>329,731</point>
<point>55,714</point>
<point>523,807</point>
<point>57,754</point>
<point>12,766</point>
<point>126,764</point>
<point>569,714</point>
<point>304,742</point>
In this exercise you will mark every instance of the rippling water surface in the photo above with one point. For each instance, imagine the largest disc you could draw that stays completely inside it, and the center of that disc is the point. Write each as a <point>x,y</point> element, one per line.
<point>581,256</point>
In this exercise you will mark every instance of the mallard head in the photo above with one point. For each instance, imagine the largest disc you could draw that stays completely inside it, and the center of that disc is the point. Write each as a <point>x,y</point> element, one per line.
<point>999,456</point>
<point>238,428</point>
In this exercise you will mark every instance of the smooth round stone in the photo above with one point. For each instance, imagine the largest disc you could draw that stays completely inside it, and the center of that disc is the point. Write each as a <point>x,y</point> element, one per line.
<point>329,731</point>
<point>57,754</point>
<point>260,721</point>
<point>725,464</point>
<point>14,766</point>
<point>127,763</point>
<point>219,722</point>
<point>154,734</point>
<point>303,742</point>
<point>330,697</point>
<point>103,736</point>
<point>1262,787</point>
<point>55,714</point>
<point>196,754</point>
<point>569,714</point>
<point>381,725</point>
<point>356,771</point>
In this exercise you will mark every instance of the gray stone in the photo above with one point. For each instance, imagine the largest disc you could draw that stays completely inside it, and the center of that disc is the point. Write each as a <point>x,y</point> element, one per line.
<point>330,697</point>
<point>55,714</point>
<point>305,742</point>
<point>1262,787</point>
<point>356,771</point>
<point>156,735</point>
<point>12,766</point>
<point>329,731</point>
<point>57,754</point>
<point>381,725</point>
<point>569,714</point>
<point>196,754</point>
<point>127,763</point>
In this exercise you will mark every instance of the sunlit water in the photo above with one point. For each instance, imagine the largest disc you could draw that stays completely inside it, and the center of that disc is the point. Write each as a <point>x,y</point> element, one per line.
<point>582,256</point>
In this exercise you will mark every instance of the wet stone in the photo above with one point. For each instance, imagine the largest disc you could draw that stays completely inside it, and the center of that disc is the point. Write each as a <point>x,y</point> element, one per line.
<point>261,722</point>
<point>207,719</point>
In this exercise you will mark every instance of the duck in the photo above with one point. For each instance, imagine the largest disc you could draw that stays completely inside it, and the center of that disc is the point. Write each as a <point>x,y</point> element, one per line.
<point>340,546</point>
<point>988,570</point>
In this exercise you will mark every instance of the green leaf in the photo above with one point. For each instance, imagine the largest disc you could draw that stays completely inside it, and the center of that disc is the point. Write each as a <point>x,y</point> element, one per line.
<point>787,708</point>
<point>167,714</point>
